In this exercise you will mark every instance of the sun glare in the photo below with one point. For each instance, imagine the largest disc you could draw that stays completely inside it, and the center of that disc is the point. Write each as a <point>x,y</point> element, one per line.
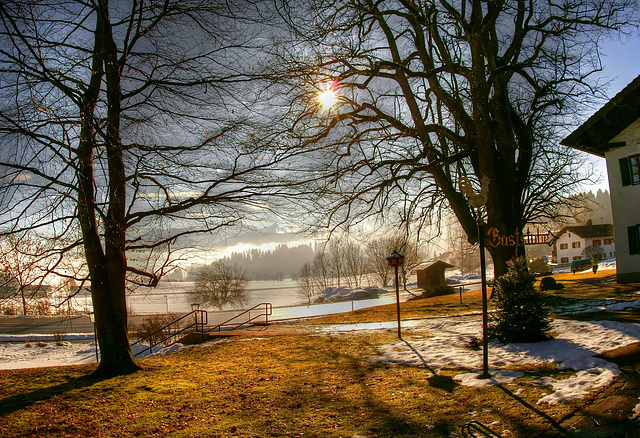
<point>329,96</point>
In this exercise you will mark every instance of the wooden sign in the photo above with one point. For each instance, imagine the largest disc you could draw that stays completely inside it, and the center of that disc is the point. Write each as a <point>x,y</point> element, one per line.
<point>495,239</point>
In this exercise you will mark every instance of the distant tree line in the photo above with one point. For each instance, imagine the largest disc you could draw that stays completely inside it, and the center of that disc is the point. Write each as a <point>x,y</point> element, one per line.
<point>275,265</point>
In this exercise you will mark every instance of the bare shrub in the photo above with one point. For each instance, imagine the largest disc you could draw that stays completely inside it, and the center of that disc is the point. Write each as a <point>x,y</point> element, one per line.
<point>150,328</point>
<point>41,308</point>
<point>59,338</point>
<point>8,308</point>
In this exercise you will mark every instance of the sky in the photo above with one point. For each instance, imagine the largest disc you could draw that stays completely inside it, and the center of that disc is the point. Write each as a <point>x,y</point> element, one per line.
<point>621,64</point>
<point>621,59</point>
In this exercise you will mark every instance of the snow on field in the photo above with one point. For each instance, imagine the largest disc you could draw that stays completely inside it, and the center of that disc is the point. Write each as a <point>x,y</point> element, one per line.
<point>347,294</point>
<point>445,343</point>
<point>49,353</point>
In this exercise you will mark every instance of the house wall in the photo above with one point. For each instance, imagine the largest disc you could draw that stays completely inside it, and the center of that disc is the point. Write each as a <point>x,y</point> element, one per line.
<point>568,238</point>
<point>625,203</point>
<point>572,253</point>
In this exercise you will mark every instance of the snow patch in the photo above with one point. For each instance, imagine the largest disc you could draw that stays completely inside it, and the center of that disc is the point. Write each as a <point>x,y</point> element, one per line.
<point>332,294</point>
<point>445,343</point>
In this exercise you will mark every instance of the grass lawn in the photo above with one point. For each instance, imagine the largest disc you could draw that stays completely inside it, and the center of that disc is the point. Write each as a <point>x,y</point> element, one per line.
<point>290,384</point>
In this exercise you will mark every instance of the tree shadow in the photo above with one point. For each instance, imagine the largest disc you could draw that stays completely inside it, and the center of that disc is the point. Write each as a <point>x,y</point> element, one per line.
<point>17,402</point>
<point>532,408</point>
<point>444,383</point>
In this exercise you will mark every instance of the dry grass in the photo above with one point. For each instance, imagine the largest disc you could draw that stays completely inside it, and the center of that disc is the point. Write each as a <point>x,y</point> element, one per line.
<point>296,385</point>
<point>420,308</point>
<point>292,385</point>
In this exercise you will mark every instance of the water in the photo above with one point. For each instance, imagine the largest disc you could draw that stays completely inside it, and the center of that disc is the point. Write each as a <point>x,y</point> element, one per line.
<point>173,297</point>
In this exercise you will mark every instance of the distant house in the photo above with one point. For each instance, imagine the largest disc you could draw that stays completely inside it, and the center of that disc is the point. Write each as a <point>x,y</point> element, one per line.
<point>571,241</point>
<point>431,274</point>
<point>613,132</point>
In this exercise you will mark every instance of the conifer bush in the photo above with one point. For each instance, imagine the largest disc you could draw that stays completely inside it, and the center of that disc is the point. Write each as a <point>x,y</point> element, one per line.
<point>522,313</point>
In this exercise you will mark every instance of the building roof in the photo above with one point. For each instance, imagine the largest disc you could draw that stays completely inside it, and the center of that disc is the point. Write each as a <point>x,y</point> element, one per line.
<point>589,231</point>
<point>595,134</point>
<point>433,264</point>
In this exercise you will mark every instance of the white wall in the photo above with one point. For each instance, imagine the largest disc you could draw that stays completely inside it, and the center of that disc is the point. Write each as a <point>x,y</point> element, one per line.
<point>625,201</point>
<point>569,238</point>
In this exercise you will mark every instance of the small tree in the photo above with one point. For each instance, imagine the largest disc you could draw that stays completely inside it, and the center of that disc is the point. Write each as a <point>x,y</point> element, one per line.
<point>219,284</point>
<point>522,312</point>
<point>306,282</point>
<point>594,253</point>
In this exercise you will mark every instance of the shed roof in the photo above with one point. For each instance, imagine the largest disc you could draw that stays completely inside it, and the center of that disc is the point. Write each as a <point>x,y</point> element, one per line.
<point>595,134</point>
<point>433,264</point>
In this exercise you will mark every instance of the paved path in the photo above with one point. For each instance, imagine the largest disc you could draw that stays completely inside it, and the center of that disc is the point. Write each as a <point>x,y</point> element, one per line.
<point>45,325</point>
<point>609,415</point>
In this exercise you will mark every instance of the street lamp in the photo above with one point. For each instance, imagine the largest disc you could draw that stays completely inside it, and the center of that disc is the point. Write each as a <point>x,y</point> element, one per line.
<point>477,201</point>
<point>396,260</point>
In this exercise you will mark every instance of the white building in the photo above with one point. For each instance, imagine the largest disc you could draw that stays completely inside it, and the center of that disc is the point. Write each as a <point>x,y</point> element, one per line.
<point>614,133</point>
<point>571,241</point>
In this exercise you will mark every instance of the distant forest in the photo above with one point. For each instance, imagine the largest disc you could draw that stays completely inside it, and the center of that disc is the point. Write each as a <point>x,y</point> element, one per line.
<point>277,264</point>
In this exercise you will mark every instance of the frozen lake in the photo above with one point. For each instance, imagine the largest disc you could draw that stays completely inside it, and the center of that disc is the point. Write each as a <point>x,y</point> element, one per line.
<point>173,297</point>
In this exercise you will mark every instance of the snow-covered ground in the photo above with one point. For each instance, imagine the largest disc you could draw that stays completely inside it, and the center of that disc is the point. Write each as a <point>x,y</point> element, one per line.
<point>49,353</point>
<point>444,343</point>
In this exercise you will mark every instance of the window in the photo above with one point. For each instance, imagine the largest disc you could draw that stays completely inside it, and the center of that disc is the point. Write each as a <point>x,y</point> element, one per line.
<point>577,258</point>
<point>575,245</point>
<point>630,170</point>
<point>634,239</point>
<point>608,241</point>
<point>597,242</point>
<point>564,260</point>
<point>564,245</point>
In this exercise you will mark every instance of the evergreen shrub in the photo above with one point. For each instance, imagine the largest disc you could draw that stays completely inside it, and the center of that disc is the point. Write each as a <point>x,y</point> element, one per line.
<point>522,313</point>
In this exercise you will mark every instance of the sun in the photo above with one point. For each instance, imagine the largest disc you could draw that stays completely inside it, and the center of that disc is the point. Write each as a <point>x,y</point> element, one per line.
<point>329,95</point>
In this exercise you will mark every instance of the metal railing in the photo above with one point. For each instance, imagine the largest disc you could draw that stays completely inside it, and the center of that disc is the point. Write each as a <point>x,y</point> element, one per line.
<point>167,335</point>
<point>475,429</point>
<point>230,324</point>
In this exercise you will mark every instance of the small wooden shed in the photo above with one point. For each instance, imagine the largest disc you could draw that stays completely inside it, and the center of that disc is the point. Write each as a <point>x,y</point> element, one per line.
<point>431,274</point>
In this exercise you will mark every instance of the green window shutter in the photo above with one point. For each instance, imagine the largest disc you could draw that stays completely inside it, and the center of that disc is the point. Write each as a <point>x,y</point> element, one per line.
<point>634,239</point>
<point>625,171</point>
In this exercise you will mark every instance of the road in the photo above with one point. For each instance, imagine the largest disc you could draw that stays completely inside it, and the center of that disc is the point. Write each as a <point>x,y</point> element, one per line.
<point>45,325</point>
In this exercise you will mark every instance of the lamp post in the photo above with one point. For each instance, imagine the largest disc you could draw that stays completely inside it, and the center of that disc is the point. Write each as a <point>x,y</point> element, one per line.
<point>396,260</point>
<point>485,329</point>
<point>477,201</point>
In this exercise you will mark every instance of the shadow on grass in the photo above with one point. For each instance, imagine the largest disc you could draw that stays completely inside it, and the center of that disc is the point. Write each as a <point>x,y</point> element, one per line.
<point>17,402</point>
<point>532,408</point>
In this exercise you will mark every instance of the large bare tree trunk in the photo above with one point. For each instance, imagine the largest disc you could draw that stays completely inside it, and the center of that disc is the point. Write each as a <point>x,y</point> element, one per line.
<point>107,267</point>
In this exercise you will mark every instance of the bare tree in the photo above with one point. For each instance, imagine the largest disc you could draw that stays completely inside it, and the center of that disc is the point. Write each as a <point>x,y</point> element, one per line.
<point>125,130</point>
<point>220,283</point>
<point>463,255</point>
<point>379,249</point>
<point>355,263</point>
<point>306,283</point>
<point>24,267</point>
<point>377,252</point>
<point>594,253</point>
<point>427,92</point>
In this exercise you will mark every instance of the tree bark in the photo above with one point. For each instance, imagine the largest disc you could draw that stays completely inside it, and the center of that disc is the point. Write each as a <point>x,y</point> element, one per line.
<point>107,267</point>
